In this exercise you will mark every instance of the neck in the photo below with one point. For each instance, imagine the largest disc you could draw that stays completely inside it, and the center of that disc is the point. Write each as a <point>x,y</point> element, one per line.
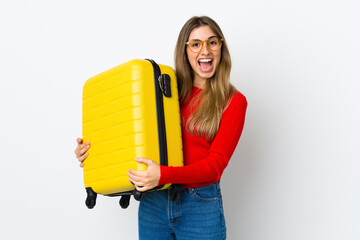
<point>199,82</point>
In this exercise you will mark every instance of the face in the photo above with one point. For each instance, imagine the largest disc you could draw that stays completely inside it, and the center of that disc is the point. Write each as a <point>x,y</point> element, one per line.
<point>205,62</point>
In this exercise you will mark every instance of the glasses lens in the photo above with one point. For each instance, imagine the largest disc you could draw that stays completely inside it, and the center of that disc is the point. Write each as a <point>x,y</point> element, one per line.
<point>195,45</point>
<point>214,43</point>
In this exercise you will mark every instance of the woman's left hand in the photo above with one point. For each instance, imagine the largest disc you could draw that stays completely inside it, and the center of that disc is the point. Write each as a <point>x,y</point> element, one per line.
<point>145,180</point>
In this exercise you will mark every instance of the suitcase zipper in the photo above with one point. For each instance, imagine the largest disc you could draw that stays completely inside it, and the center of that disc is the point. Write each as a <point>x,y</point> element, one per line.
<point>160,115</point>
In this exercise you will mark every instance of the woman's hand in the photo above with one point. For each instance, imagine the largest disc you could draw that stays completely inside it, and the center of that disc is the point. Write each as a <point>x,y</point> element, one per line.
<point>145,180</point>
<point>81,151</point>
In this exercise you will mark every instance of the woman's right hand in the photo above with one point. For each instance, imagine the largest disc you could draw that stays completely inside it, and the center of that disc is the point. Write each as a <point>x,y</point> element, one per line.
<point>81,151</point>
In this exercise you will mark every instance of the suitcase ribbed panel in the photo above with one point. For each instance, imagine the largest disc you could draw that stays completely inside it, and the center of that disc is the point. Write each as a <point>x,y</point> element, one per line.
<point>120,122</point>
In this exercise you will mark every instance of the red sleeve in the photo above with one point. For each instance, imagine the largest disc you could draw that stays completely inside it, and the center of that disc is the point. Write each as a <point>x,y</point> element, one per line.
<point>223,146</point>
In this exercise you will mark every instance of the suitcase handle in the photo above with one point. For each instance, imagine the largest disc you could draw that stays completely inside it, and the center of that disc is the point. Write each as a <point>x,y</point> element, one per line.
<point>164,83</point>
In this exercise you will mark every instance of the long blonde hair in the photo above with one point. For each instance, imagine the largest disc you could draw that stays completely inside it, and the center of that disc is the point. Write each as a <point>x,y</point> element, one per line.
<point>213,100</point>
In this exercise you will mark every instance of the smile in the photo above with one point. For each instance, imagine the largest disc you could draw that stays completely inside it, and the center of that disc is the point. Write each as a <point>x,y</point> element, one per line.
<point>205,64</point>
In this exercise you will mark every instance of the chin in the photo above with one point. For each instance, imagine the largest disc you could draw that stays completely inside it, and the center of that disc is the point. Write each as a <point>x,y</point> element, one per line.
<point>205,75</point>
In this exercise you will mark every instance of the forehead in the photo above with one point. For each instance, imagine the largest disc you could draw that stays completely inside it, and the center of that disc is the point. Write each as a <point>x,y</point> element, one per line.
<point>202,33</point>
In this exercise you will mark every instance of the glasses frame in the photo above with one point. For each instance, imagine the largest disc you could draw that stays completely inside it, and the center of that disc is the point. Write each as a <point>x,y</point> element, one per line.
<point>207,44</point>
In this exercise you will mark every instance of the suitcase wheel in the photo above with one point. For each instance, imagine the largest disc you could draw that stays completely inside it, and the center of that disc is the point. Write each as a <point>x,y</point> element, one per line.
<point>91,198</point>
<point>124,201</point>
<point>139,196</point>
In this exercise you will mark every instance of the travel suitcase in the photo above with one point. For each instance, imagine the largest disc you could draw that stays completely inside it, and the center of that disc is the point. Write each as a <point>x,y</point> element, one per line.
<point>129,111</point>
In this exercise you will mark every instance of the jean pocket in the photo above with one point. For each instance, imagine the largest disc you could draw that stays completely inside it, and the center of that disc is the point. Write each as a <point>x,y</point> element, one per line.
<point>206,194</point>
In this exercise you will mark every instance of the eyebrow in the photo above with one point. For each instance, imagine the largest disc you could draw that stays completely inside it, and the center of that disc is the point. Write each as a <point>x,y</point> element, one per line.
<point>201,40</point>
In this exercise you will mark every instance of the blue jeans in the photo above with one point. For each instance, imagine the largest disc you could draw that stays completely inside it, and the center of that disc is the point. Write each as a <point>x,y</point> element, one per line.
<point>197,215</point>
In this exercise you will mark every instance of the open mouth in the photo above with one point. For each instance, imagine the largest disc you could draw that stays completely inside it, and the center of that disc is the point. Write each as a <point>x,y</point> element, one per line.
<point>205,64</point>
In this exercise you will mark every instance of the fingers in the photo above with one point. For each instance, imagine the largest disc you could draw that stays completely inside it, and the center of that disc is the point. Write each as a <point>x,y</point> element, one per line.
<point>141,188</point>
<point>83,157</point>
<point>145,180</point>
<point>144,160</point>
<point>81,151</point>
<point>137,173</point>
<point>79,144</point>
<point>138,178</point>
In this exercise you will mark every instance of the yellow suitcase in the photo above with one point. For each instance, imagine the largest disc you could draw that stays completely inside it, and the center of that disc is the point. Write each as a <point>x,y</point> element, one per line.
<point>129,111</point>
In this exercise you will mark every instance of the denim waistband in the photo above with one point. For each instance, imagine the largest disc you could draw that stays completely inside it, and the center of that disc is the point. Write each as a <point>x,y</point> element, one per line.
<point>216,185</point>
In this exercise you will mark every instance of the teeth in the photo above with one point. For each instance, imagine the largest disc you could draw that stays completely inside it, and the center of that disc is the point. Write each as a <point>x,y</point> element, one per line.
<point>205,60</point>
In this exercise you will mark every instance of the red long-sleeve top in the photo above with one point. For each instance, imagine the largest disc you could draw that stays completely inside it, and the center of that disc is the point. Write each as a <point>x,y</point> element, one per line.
<point>205,161</point>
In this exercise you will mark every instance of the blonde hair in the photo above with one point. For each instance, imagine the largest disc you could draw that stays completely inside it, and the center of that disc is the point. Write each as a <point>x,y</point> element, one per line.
<point>213,100</point>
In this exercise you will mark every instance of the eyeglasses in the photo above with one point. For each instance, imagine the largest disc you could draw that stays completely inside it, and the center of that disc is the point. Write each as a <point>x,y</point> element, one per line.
<point>213,44</point>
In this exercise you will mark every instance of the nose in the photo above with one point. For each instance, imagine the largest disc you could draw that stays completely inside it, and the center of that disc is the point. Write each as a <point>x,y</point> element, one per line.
<point>205,49</point>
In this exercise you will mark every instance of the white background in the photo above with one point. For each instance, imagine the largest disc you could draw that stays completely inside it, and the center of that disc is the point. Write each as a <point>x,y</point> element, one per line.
<point>295,173</point>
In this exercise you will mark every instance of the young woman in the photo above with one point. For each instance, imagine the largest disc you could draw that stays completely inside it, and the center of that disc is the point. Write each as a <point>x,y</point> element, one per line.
<point>213,114</point>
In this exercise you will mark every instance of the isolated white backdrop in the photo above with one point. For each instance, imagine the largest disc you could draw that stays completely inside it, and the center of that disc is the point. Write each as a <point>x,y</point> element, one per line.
<point>295,173</point>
